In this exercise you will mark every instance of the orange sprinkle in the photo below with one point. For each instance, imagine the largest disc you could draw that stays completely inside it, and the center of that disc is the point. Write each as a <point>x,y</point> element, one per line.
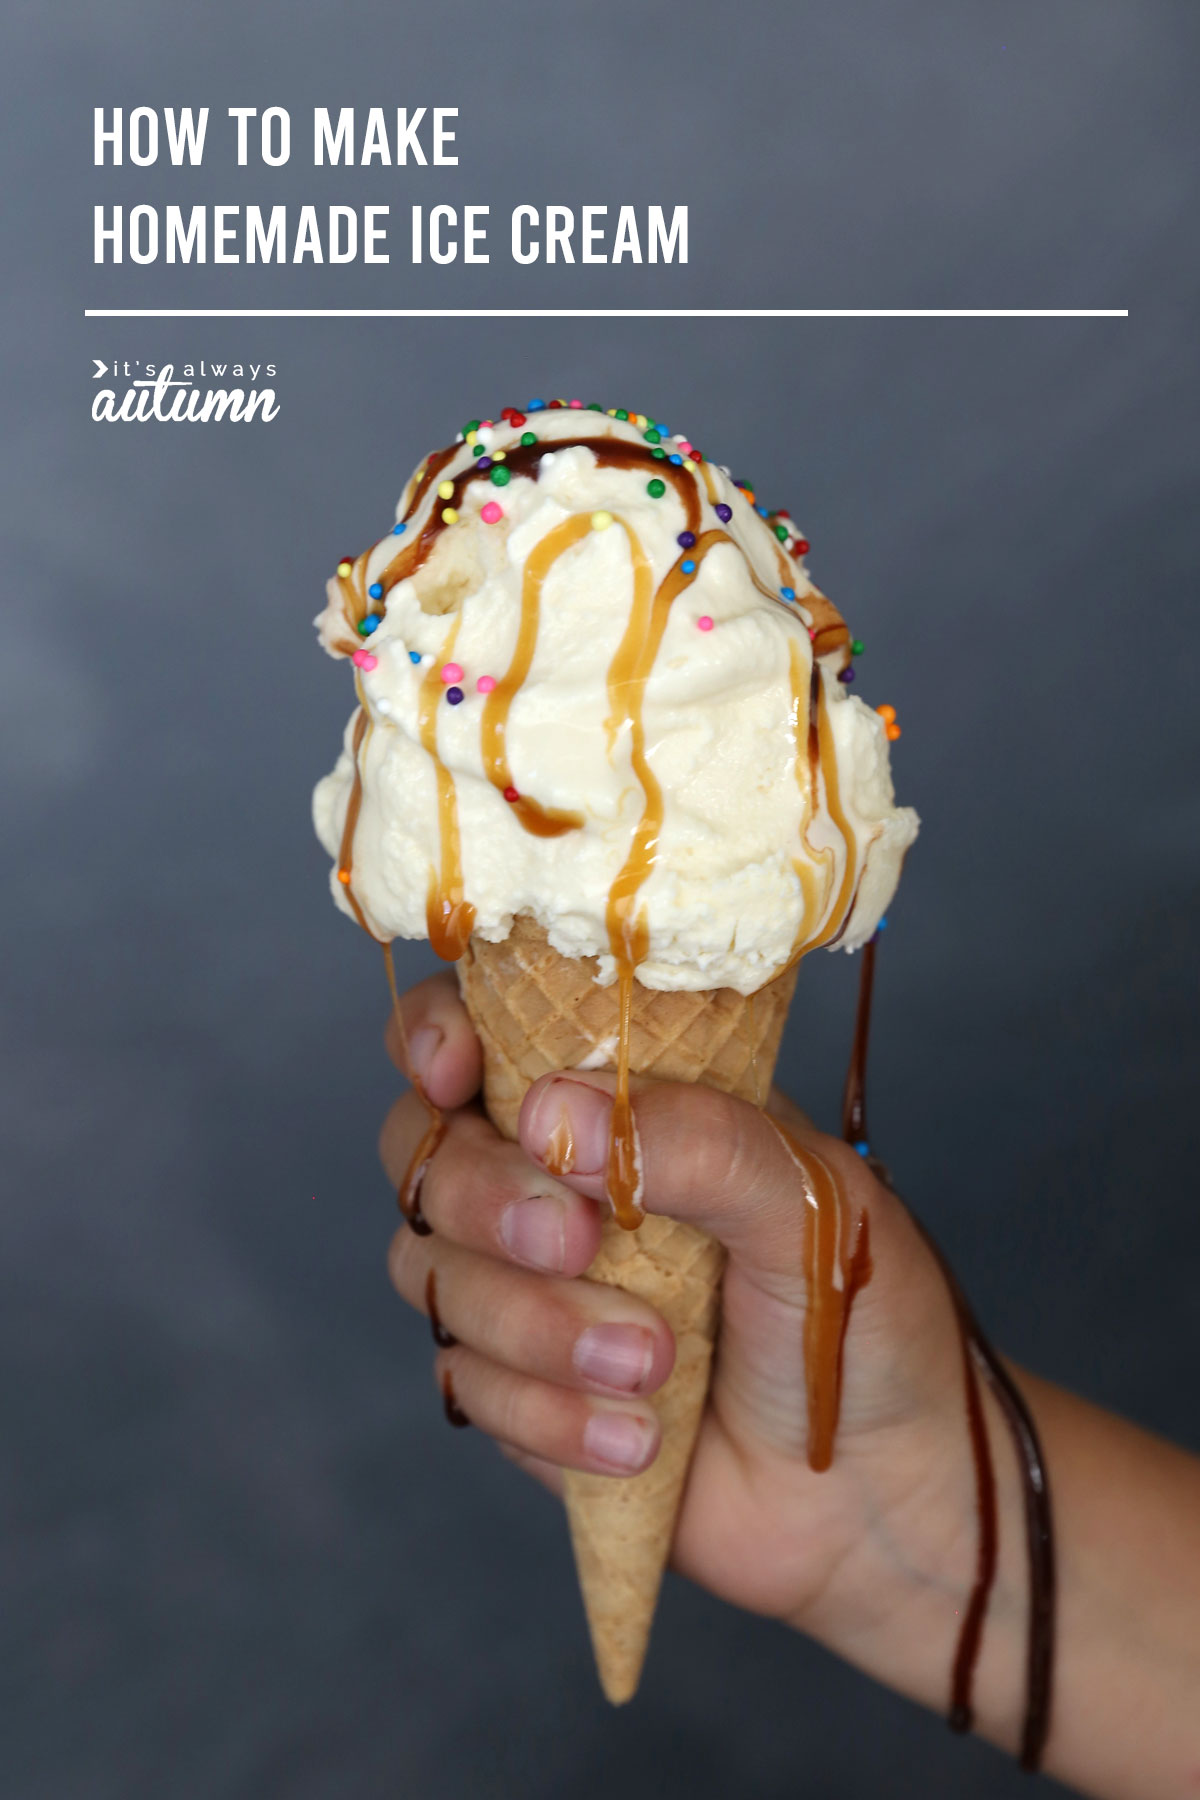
<point>344,877</point>
<point>893,732</point>
<point>887,714</point>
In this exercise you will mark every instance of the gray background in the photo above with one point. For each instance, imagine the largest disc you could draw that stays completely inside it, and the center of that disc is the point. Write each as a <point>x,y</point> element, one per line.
<point>242,1557</point>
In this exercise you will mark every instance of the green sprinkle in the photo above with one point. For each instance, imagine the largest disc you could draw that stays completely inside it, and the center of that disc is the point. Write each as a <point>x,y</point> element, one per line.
<point>500,476</point>
<point>656,488</point>
<point>660,454</point>
<point>781,532</point>
<point>365,626</point>
<point>529,437</point>
<point>595,406</point>
<point>621,413</point>
<point>652,437</point>
<point>472,425</point>
<point>857,647</point>
<point>478,449</point>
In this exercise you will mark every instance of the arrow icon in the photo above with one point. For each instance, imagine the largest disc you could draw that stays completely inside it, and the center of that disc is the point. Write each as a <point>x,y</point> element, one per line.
<point>101,368</point>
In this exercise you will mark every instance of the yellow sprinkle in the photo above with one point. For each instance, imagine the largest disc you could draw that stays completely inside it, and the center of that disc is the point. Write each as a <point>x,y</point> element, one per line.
<point>641,421</point>
<point>612,412</point>
<point>471,436</point>
<point>449,516</point>
<point>601,521</point>
<point>344,567</point>
<point>445,489</point>
<point>689,464</point>
<point>499,455</point>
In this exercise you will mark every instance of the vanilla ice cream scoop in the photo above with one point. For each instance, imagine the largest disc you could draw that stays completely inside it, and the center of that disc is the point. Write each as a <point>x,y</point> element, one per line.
<point>596,686</point>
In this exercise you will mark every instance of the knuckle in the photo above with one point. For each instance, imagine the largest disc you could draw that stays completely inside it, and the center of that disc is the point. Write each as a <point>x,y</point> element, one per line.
<point>713,1150</point>
<point>470,1182</point>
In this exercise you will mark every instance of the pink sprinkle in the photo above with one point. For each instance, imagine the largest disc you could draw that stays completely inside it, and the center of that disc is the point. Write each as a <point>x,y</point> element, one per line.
<point>485,684</point>
<point>812,631</point>
<point>704,622</point>
<point>451,672</point>
<point>484,423</point>
<point>491,512</point>
<point>576,405</point>
<point>362,659</point>
<point>684,446</point>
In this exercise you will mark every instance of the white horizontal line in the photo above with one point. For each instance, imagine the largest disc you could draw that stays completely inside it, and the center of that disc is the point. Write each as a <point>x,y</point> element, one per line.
<point>606,312</point>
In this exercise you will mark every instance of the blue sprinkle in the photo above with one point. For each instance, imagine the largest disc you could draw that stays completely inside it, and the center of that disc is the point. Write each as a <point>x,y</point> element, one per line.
<point>788,593</point>
<point>375,591</point>
<point>454,696</point>
<point>414,656</point>
<point>536,406</point>
<point>662,430</point>
<point>688,567</point>
<point>369,624</point>
<point>762,512</point>
<point>863,1148</point>
<point>677,460</point>
<point>882,925</point>
<point>400,529</point>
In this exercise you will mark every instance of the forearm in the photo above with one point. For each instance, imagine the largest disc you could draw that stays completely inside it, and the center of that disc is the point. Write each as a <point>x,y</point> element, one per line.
<point>1126,1719</point>
<point>1125,1712</point>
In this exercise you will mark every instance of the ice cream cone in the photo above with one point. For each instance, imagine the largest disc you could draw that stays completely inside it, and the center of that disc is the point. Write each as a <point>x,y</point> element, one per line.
<point>535,1011</point>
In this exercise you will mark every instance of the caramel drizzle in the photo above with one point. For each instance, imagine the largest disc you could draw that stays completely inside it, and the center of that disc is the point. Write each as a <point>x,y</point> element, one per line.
<point>345,861</point>
<point>521,459</point>
<point>812,904</point>
<point>822,762</point>
<point>449,917</point>
<point>559,1154</point>
<point>837,1265</point>
<point>628,933</point>
<point>541,821</point>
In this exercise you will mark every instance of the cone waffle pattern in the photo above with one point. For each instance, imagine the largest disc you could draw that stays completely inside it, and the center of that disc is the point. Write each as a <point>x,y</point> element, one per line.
<point>536,1011</point>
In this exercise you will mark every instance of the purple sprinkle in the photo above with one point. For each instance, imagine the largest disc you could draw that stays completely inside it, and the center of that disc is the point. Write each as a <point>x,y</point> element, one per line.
<point>454,696</point>
<point>846,674</point>
<point>724,513</point>
<point>484,462</point>
<point>686,539</point>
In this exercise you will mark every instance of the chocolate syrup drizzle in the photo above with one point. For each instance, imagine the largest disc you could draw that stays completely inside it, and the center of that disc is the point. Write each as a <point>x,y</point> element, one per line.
<point>980,1360</point>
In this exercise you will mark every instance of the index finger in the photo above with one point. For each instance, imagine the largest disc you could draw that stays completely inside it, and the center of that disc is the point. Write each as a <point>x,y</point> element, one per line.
<point>442,1049</point>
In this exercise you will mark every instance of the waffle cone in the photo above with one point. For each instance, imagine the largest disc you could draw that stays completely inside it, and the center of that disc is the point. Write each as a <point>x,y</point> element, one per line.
<point>535,1011</point>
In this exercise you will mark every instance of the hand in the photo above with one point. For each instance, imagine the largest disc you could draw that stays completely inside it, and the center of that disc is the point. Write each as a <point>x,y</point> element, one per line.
<point>562,1371</point>
<point>875,1556</point>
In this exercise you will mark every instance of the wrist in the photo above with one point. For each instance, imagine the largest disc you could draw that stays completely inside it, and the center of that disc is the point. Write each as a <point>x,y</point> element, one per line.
<point>902,1587</point>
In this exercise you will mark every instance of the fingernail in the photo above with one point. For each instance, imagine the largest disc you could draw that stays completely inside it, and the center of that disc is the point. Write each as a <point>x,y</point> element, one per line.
<point>423,1046</point>
<point>571,1111</point>
<point>617,1356</point>
<point>534,1231</point>
<point>619,1439</point>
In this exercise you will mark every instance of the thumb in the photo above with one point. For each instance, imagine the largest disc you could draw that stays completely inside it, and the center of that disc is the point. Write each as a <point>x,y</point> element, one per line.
<point>717,1162</point>
<point>805,1223</point>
